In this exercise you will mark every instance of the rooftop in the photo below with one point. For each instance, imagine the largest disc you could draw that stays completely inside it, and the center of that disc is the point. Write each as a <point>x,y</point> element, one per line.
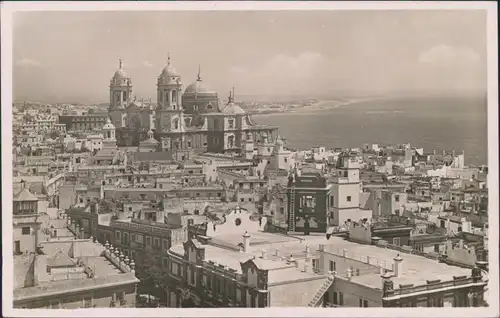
<point>415,269</point>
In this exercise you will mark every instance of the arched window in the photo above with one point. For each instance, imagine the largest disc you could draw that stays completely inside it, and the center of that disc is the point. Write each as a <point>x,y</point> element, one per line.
<point>174,96</point>
<point>176,123</point>
<point>109,134</point>
<point>166,96</point>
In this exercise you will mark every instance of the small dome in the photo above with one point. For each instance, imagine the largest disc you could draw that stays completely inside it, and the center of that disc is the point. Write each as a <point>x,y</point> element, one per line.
<point>233,109</point>
<point>108,125</point>
<point>120,74</point>
<point>168,71</point>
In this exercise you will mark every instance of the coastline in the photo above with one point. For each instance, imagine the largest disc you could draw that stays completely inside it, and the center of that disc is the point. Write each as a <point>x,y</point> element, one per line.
<point>317,107</point>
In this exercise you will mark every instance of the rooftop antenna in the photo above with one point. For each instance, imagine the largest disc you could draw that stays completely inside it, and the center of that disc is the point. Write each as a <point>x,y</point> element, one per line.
<point>199,71</point>
<point>233,92</point>
<point>120,63</point>
<point>168,60</point>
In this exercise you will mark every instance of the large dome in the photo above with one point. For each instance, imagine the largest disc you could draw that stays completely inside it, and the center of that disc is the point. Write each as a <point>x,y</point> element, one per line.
<point>198,87</point>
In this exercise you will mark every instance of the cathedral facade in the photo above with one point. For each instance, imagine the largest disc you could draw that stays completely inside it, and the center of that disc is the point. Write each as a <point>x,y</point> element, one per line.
<point>182,119</point>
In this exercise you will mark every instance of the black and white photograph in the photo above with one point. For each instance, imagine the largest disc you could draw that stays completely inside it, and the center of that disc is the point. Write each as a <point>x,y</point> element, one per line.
<point>292,158</point>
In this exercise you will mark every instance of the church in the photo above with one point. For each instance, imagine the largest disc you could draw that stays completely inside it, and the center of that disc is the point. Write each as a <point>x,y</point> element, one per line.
<point>182,119</point>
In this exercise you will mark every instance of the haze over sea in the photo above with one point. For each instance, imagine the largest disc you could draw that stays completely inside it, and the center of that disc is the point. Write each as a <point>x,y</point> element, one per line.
<point>433,123</point>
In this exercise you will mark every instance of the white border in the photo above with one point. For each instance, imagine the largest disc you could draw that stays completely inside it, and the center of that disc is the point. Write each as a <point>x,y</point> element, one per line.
<point>7,10</point>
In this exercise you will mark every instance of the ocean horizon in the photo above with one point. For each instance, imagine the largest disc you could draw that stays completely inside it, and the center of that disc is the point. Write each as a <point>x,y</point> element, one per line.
<point>432,123</point>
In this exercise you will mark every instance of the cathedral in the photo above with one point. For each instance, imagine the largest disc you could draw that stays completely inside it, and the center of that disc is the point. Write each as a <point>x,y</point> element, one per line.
<point>182,119</point>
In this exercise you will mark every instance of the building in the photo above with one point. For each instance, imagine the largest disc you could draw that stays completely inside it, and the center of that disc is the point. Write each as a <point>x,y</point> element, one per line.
<point>26,221</point>
<point>56,267</point>
<point>89,122</point>
<point>237,264</point>
<point>344,200</point>
<point>182,119</point>
<point>307,197</point>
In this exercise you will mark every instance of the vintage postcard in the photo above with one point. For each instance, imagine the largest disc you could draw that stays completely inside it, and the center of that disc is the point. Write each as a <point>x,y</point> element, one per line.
<point>232,159</point>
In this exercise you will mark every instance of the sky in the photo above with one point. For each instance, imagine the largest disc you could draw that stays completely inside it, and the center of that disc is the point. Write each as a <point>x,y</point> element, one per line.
<point>71,56</point>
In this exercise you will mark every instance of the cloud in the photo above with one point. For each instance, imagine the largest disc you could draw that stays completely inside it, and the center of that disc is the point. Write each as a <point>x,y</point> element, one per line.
<point>147,64</point>
<point>448,55</point>
<point>25,62</point>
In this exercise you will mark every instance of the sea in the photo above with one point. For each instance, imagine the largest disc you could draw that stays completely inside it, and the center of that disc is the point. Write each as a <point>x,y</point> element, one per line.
<point>432,123</point>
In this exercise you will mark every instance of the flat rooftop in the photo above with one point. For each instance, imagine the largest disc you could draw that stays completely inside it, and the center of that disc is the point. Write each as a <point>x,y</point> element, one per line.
<point>415,269</point>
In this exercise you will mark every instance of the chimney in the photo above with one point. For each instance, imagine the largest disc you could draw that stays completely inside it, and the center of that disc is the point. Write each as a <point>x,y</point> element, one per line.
<point>246,242</point>
<point>349,273</point>
<point>263,254</point>
<point>398,266</point>
<point>308,251</point>
<point>277,253</point>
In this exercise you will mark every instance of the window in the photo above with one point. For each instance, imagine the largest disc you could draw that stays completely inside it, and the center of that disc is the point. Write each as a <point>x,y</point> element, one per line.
<point>138,238</point>
<point>118,235</point>
<point>396,241</point>
<point>192,277</point>
<point>363,303</point>
<point>315,264</point>
<point>130,209</point>
<point>156,243</point>
<point>333,266</point>
<point>230,123</point>
<point>442,224</point>
<point>436,248</point>
<point>125,238</point>
<point>331,200</point>
<point>419,247</point>
<point>396,198</point>
<point>148,241</point>
<point>348,198</point>
<point>26,230</point>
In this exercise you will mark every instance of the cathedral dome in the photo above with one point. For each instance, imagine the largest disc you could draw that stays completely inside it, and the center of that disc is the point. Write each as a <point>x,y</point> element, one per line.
<point>198,87</point>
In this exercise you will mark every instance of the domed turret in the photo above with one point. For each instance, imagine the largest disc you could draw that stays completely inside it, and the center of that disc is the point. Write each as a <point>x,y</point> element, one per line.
<point>231,108</point>
<point>169,88</point>
<point>108,125</point>
<point>169,74</point>
<point>120,88</point>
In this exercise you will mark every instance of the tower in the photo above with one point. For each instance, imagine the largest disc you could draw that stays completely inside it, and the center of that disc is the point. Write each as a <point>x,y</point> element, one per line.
<point>169,113</point>
<point>344,195</point>
<point>248,146</point>
<point>120,89</point>
<point>108,131</point>
<point>120,92</point>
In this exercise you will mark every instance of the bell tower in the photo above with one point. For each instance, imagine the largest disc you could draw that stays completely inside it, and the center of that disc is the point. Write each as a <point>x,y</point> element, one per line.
<point>120,89</point>
<point>169,112</point>
<point>120,92</point>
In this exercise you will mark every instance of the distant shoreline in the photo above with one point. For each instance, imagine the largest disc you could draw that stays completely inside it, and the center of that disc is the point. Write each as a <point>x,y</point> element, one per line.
<point>319,106</point>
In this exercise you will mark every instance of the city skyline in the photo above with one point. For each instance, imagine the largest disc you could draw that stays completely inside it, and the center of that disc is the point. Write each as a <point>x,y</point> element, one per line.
<point>74,54</point>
